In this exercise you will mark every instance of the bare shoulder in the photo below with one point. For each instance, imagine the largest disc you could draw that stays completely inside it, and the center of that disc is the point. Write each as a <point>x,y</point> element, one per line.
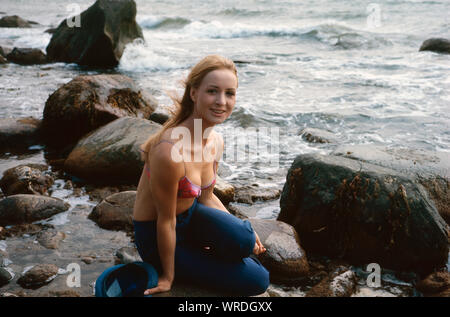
<point>166,162</point>
<point>173,134</point>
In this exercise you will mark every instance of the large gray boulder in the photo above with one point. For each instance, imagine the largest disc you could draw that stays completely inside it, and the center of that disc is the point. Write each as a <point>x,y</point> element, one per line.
<point>115,212</point>
<point>19,133</point>
<point>363,213</point>
<point>111,154</point>
<point>429,168</point>
<point>89,102</point>
<point>105,29</point>
<point>24,208</point>
<point>284,258</point>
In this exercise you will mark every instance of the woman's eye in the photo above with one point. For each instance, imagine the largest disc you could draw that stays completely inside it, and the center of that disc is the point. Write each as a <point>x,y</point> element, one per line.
<point>230,93</point>
<point>211,91</point>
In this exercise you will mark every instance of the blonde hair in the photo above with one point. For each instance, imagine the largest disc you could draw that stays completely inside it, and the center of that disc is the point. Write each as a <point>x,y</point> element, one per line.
<point>185,106</point>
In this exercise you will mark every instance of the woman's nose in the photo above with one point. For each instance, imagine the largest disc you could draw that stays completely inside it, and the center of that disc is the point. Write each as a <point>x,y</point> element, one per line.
<point>221,100</point>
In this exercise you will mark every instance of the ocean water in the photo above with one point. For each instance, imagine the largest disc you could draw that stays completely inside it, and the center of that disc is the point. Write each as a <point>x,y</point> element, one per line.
<point>349,67</point>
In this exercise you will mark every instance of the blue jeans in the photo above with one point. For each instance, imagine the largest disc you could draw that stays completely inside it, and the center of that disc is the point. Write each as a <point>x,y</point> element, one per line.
<point>225,266</point>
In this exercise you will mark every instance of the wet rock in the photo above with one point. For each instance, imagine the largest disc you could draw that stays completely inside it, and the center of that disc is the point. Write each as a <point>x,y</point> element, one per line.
<point>363,213</point>
<point>14,21</point>
<point>337,285</point>
<point>436,284</point>
<point>430,169</point>
<point>4,50</point>
<point>260,209</point>
<point>111,153</point>
<point>115,212</point>
<point>224,191</point>
<point>23,208</point>
<point>51,239</point>
<point>284,257</point>
<point>160,115</point>
<point>26,179</point>
<point>50,31</point>
<point>106,28</point>
<point>439,190</point>
<point>3,60</point>
<point>100,193</point>
<point>7,294</point>
<point>27,56</point>
<point>92,101</point>
<point>88,259</point>
<point>65,293</point>
<point>314,135</point>
<point>411,162</point>
<point>39,275</point>
<point>6,275</point>
<point>19,133</point>
<point>242,212</point>
<point>128,255</point>
<point>251,193</point>
<point>20,230</point>
<point>437,45</point>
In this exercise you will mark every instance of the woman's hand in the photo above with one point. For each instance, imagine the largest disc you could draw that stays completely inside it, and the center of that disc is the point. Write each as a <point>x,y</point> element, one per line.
<point>164,285</point>
<point>259,248</point>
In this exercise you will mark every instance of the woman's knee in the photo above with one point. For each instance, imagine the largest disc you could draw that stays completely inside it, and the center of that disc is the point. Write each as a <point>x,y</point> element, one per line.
<point>238,242</point>
<point>258,280</point>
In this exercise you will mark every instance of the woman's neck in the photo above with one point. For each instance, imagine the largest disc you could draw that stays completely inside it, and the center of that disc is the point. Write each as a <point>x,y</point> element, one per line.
<point>199,129</point>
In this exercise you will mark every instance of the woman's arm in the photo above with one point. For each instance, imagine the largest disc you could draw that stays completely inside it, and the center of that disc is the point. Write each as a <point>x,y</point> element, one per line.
<point>165,174</point>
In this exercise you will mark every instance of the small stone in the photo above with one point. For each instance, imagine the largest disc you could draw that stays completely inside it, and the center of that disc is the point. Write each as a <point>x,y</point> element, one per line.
<point>6,294</point>
<point>344,284</point>
<point>39,275</point>
<point>51,239</point>
<point>68,185</point>
<point>6,275</point>
<point>66,293</point>
<point>314,135</point>
<point>87,259</point>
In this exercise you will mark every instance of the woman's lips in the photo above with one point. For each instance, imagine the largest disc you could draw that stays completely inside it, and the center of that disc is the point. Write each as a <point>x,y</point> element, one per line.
<point>218,113</point>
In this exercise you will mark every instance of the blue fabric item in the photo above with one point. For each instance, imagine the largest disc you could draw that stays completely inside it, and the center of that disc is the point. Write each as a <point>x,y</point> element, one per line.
<point>126,280</point>
<point>228,265</point>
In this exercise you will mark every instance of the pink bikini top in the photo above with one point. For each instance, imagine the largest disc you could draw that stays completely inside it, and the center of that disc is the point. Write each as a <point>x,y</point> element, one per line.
<point>187,189</point>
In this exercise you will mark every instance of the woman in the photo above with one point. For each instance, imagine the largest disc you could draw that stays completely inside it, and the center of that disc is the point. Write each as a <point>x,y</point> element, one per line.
<point>181,227</point>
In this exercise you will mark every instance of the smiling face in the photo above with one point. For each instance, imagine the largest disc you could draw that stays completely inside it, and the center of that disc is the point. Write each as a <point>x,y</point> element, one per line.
<point>215,98</point>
